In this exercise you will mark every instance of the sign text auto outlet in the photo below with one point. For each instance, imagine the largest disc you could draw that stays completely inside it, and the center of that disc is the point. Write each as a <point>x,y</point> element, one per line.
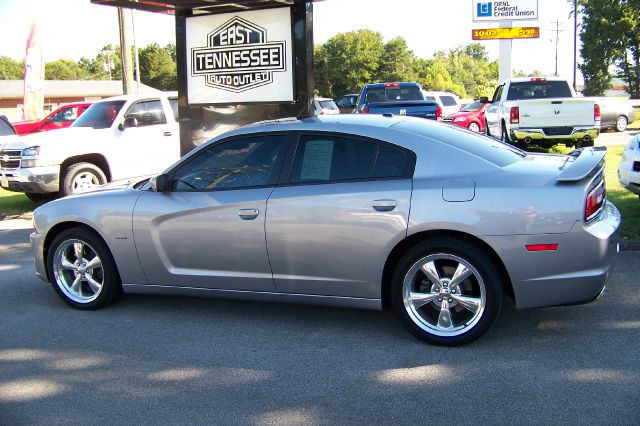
<point>240,57</point>
<point>506,10</point>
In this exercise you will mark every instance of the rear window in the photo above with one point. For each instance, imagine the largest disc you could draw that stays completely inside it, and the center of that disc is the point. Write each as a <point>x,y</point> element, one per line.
<point>393,94</point>
<point>538,90</point>
<point>328,105</point>
<point>491,150</point>
<point>448,101</point>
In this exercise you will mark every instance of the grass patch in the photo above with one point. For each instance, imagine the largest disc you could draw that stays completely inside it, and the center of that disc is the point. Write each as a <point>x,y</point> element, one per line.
<point>627,202</point>
<point>636,124</point>
<point>15,204</point>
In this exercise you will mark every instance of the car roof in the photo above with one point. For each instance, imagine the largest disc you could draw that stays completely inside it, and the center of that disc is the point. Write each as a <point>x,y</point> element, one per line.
<point>523,79</point>
<point>139,96</point>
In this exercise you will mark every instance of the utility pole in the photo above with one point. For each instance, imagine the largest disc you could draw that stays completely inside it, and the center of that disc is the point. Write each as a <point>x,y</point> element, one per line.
<point>575,44</point>
<point>124,19</point>
<point>557,31</point>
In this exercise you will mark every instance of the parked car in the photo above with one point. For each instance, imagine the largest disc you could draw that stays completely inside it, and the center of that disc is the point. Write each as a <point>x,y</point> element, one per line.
<point>399,99</point>
<point>324,106</point>
<point>615,113</point>
<point>7,132</point>
<point>59,118</point>
<point>356,211</point>
<point>116,138</point>
<point>629,168</point>
<point>470,117</point>
<point>449,102</point>
<point>347,103</point>
<point>542,110</point>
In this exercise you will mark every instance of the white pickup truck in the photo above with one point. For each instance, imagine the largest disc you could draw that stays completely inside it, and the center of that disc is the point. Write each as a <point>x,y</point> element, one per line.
<point>544,111</point>
<point>116,138</point>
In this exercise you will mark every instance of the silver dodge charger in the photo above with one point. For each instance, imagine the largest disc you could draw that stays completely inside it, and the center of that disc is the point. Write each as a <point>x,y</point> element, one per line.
<point>436,222</point>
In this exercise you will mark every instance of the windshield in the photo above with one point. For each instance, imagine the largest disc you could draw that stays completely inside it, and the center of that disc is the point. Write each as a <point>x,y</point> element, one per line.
<point>6,129</point>
<point>328,105</point>
<point>99,115</point>
<point>538,90</point>
<point>472,107</point>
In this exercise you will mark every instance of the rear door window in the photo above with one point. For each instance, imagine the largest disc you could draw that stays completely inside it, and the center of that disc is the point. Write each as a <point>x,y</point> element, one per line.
<point>331,158</point>
<point>448,100</point>
<point>147,113</point>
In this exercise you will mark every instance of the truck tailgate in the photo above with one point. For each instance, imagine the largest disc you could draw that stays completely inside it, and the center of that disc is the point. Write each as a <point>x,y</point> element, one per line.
<point>422,109</point>
<point>556,112</point>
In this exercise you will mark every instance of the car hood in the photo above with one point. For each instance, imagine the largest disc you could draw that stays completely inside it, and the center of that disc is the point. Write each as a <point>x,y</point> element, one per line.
<point>49,138</point>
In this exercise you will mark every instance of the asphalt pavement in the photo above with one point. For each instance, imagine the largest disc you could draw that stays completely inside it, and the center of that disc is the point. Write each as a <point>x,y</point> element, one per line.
<point>180,360</point>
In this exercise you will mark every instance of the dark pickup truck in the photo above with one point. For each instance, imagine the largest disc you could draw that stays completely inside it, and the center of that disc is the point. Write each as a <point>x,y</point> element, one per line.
<point>397,99</point>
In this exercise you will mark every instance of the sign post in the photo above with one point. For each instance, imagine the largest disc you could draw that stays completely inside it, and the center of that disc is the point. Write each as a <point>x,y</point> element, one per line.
<point>504,12</point>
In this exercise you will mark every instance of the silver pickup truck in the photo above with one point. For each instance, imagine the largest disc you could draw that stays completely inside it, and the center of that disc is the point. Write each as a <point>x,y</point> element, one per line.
<point>544,111</point>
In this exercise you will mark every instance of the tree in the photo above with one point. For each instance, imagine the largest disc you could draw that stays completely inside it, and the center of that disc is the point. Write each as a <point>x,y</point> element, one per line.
<point>351,60</point>
<point>397,62</point>
<point>10,69</point>
<point>157,67</point>
<point>610,35</point>
<point>64,69</point>
<point>105,66</point>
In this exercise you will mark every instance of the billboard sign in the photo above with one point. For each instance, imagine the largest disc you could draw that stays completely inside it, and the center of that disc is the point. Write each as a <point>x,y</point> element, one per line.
<point>507,10</point>
<point>242,57</point>
<point>505,33</point>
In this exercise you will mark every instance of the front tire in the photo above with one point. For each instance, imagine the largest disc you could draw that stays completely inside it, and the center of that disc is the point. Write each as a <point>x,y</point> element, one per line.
<point>81,269</point>
<point>474,127</point>
<point>447,291</point>
<point>82,177</point>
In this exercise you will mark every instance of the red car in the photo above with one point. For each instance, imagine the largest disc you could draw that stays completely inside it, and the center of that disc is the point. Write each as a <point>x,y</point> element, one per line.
<point>470,117</point>
<point>59,118</point>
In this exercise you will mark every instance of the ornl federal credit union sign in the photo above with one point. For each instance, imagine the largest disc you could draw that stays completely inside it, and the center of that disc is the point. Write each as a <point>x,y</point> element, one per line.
<point>505,10</point>
<point>240,57</point>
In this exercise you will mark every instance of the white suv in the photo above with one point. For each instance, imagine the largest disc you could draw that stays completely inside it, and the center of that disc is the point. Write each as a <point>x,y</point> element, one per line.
<point>116,138</point>
<point>449,102</point>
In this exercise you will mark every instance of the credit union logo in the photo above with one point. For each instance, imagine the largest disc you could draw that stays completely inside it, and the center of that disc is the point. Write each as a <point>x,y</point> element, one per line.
<point>484,10</point>
<point>238,57</point>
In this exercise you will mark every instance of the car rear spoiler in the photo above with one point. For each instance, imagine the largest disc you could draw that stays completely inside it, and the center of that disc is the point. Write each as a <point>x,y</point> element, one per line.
<point>586,160</point>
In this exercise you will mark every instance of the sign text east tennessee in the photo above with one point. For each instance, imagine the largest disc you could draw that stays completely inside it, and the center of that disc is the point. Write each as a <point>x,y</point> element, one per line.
<point>268,56</point>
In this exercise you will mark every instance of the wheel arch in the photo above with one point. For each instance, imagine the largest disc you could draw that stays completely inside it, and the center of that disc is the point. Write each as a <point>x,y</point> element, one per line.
<point>58,228</point>
<point>98,160</point>
<point>403,246</point>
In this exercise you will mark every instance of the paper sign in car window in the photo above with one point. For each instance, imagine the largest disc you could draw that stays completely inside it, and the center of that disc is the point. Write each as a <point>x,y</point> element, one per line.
<point>316,163</point>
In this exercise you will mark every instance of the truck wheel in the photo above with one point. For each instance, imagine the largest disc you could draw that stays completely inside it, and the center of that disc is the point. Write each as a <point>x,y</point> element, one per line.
<point>82,177</point>
<point>33,196</point>
<point>621,123</point>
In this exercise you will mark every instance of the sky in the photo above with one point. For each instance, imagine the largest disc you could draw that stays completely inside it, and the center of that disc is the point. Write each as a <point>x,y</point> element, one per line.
<point>72,29</point>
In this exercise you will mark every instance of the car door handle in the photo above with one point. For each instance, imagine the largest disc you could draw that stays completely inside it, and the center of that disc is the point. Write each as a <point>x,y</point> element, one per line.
<point>384,205</point>
<point>248,214</point>
<point>167,134</point>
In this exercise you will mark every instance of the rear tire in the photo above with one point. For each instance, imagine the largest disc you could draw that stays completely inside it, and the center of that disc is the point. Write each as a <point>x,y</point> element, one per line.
<point>447,291</point>
<point>81,269</point>
<point>621,124</point>
<point>82,177</point>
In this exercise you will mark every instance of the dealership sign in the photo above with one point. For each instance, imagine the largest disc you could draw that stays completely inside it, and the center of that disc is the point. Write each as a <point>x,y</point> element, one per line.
<point>505,33</point>
<point>508,10</point>
<point>240,57</point>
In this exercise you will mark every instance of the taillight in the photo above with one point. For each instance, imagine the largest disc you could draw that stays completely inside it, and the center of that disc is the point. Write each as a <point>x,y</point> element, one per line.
<point>596,112</point>
<point>365,109</point>
<point>438,113</point>
<point>594,201</point>
<point>392,85</point>
<point>538,79</point>
<point>514,115</point>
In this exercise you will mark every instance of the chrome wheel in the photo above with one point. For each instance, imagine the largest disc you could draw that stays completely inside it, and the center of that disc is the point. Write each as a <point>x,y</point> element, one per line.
<point>78,271</point>
<point>83,182</point>
<point>444,295</point>
<point>474,127</point>
<point>621,123</point>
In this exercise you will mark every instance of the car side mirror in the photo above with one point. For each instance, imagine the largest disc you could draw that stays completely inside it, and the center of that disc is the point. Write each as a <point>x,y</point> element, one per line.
<point>128,122</point>
<point>160,183</point>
